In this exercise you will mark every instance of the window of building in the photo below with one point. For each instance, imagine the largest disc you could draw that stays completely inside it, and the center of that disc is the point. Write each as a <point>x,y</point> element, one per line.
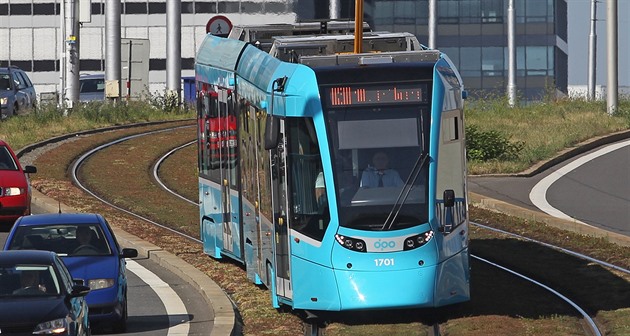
<point>453,54</point>
<point>157,7</point>
<point>422,12</point>
<point>534,11</point>
<point>492,11</point>
<point>536,61</point>
<point>275,7</point>
<point>20,9</point>
<point>384,13</point>
<point>187,7</point>
<point>448,11</point>
<point>44,9</point>
<point>404,12</point>
<point>470,65</point>
<point>492,64</point>
<point>205,7</point>
<point>469,11</point>
<point>135,8</point>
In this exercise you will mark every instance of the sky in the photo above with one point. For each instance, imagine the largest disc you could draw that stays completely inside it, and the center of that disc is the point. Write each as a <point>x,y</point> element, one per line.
<point>579,15</point>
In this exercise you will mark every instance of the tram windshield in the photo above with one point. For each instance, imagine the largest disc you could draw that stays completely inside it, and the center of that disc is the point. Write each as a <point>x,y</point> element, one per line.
<point>380,165</point>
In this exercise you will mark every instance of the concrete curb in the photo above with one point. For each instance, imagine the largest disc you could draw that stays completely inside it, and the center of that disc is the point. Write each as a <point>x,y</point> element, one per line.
<point>216,298</point>
<point>573,226</point>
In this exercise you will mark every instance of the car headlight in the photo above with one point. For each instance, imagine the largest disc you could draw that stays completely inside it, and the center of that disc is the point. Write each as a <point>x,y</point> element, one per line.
<point>4,100</point>
<point>54,327</point>
<point>95,284</point>
<point>14,191</point>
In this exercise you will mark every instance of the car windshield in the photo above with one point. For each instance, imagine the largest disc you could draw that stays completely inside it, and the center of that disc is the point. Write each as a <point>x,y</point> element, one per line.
<point>92,85</point>
<point>6,160</point>
<point>28,280</point>
<point>65,239</point>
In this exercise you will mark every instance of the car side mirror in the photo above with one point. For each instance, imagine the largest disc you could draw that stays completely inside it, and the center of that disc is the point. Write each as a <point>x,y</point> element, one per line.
<point>129,253</point>
<point>79,290</point>
<point>272,132</point>
<point>30,169</point>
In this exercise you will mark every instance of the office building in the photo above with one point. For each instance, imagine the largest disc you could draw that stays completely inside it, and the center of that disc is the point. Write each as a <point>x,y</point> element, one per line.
<point>472,32</point>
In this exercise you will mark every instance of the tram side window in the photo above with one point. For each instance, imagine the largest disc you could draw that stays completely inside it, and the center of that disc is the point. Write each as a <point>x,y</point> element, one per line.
<point>206,106</point>
<point>212,158</point>
<point>310,214</point>
<point>201,132</point>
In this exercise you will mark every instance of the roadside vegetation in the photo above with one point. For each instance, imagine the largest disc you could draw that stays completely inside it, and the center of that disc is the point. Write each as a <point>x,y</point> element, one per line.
<point>49,121</point>
<point>501,139</point>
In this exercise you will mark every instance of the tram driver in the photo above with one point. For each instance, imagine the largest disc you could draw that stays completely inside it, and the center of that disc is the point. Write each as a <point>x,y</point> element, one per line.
<point>379,174</point>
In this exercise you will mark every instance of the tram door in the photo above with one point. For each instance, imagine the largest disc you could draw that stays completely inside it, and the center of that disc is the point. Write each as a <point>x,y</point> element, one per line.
<point>281,223</point>
<point>227,153</point>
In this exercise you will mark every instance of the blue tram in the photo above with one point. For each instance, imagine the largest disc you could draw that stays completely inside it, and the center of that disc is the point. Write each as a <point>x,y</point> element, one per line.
<point>337,179</point>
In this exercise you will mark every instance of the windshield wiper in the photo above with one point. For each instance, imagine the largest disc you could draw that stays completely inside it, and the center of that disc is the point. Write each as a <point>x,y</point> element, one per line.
<point>404,193</point>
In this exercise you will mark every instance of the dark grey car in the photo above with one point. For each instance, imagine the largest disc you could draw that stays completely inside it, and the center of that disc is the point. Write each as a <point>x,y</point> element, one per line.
<point>17,94</point>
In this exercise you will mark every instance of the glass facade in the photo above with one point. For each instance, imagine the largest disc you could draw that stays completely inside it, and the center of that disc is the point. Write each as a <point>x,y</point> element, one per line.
<point>473,33</point>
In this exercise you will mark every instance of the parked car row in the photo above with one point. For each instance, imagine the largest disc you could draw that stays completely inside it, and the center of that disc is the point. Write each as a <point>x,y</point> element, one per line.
<point>17,93</point>
<point>59,273</point>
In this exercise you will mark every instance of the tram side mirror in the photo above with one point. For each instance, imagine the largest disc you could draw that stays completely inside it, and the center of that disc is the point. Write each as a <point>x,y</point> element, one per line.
<point>449,198</point>
<point>272,132</point>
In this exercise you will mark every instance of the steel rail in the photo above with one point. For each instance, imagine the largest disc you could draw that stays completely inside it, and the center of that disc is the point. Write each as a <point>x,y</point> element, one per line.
<point>156,168</point>
<point>77,164</point>
<point>586,316</point>
<point>558,248</point>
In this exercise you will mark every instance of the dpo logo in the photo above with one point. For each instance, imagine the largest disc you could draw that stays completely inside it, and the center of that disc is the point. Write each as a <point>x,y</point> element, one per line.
<point>382,245</point>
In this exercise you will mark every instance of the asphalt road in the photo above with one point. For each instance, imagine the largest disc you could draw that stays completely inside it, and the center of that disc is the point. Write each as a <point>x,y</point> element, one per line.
<point>593,188</point>
<point>151,311</point>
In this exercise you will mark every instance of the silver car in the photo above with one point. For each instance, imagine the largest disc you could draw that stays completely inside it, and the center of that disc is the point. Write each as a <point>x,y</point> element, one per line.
<point>92,87</point>
<point>17,94</point>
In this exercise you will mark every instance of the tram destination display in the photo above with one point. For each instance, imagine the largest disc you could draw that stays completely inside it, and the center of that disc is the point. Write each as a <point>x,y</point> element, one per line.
<point>348,95</point>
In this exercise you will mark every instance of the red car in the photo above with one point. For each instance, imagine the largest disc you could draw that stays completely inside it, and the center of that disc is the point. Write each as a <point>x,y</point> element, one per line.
<point>15,188</point>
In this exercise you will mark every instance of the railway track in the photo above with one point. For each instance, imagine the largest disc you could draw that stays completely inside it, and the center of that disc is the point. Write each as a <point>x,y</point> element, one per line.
<point>315,329</point>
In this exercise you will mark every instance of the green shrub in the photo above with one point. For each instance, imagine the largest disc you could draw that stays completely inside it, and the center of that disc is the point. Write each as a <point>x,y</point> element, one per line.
<point>490,145</point>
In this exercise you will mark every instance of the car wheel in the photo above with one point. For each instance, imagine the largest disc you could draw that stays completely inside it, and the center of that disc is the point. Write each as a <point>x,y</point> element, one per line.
<point>15,110</point>
<point>120,326</point>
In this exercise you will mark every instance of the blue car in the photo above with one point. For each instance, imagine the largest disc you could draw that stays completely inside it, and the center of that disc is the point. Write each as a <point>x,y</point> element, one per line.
<point>88,247</point>
<point>38,296</point>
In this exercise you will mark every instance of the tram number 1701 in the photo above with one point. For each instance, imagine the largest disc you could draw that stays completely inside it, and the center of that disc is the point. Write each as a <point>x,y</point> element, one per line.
<point>384,262</point>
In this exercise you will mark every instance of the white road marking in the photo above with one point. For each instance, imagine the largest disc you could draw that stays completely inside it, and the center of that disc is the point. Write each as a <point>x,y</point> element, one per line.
<point>538,194</point>
<point>178,321</point>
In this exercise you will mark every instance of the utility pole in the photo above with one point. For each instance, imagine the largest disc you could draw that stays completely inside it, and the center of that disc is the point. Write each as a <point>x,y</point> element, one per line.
<point>334,9</point>
<point>358,26</point>
<point>71,53</point>
<point>62,56</point>
<point>592,52</point>
<point>612,86</point>
<point>174,48</point>
<point>112,49</point>
<point>511,87</point>
<point>432,23</point>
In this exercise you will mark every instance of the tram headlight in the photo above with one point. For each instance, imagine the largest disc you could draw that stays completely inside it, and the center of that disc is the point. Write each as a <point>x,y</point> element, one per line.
<point>416,241</point>
<point>353,244</point>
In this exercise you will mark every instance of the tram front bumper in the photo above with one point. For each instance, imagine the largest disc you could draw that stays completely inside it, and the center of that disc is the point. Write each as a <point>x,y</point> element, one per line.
<point>411,288</point>
<point>316,287</point>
